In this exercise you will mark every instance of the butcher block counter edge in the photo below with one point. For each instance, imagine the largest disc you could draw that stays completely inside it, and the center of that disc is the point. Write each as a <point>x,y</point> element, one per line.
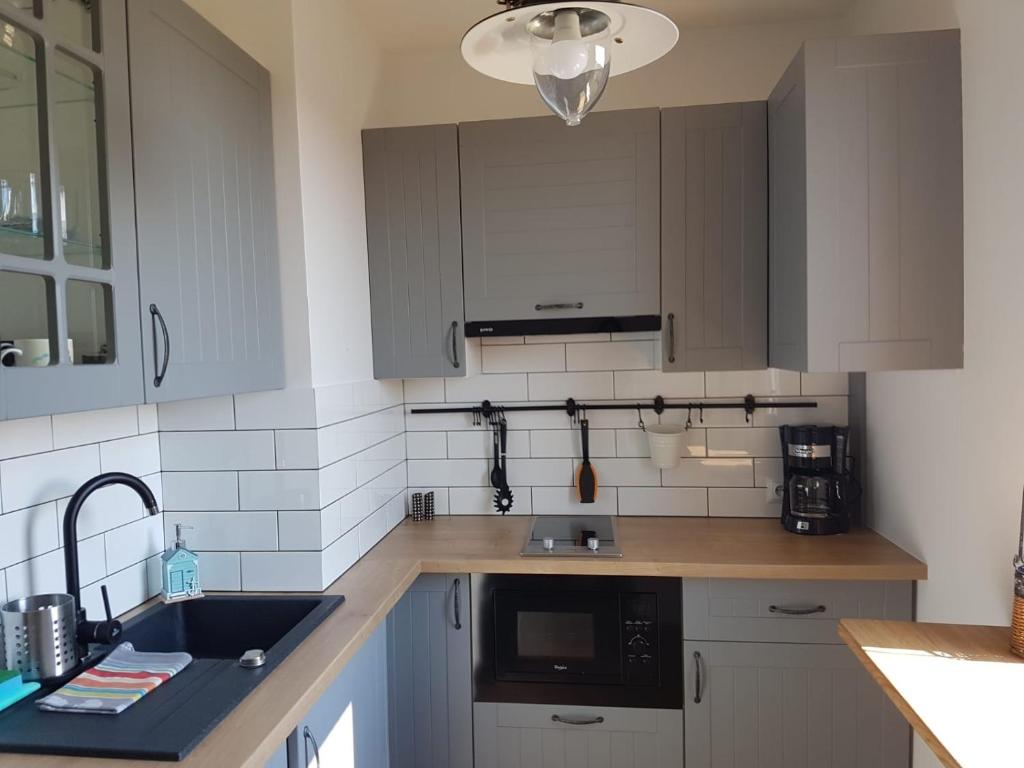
<point>663,546</point>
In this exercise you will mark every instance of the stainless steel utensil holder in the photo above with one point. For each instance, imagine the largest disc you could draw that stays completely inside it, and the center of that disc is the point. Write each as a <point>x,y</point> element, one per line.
<point>39,636</point>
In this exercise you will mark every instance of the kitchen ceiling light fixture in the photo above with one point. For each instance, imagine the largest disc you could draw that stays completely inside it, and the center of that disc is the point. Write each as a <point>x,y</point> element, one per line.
<point>567,50</point>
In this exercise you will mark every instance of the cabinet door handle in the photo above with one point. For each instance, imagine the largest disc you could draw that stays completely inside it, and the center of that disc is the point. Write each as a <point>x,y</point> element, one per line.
<point>455,344</point>
<point>457,601</point>
<point>307,737</point>
<point>577,720</point>
<point>161,370</point>
<point>698,685</point>
<point>796,611</point>
<point>565,305</point>
<point>671,337</point>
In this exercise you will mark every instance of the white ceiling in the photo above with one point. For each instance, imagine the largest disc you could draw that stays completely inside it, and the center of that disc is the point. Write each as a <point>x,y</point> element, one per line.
<point>438,23</point>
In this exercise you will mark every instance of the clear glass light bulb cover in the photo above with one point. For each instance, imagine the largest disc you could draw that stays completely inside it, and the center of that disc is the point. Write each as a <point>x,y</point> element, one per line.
<point>571,74</point>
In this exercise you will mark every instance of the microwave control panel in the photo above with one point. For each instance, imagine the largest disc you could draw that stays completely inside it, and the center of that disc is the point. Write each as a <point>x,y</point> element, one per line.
<point>640,638</point>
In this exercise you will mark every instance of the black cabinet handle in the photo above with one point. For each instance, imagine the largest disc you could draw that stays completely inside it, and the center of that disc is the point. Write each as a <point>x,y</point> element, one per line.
<point>671,337</point>
<point>160,371</point>
<point>577,720</point>
<point>307,737</point>
<point>698,685</point>
<point>457,600</point>
<point>455,344</point>
<point>796,611</point>
<point>566,305</point>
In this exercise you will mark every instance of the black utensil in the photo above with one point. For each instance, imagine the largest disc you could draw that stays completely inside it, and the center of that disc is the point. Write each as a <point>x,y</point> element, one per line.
<point>496,470</point>
<point>503,498</point>
<point>586,477</point>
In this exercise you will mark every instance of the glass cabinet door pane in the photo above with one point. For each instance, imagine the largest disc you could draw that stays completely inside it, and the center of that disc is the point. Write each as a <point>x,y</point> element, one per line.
<point>21,5</point>
<point>81,208</point>
<point>27,320</point>
<point>73,21</point>
<point>90,322</point>
<point>22,224</point>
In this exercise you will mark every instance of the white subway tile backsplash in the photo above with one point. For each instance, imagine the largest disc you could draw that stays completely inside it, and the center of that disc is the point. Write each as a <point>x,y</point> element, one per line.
<point>38,575</point>
<point>555,443</point>
<point>296,449</point>
<point>561,386</point>
<point>225,531</point>
<point>337,479</point>
<point>209,451</point>
<point>741,502</point>
<point>207,414</point>
<point>824,383</point>
<point>540,472</point>
<point>712,418</point>
<point>28,533</point>
<point>480,501</point>
<point>645,385</point>
<point>92,560</point>
<point>497,387</point>
<point>710,473</point>
<point>301,530</point>
<point>663,502</point>
<point>610,356</point>
<point>773,381</point>
<point>767,471</point>
<point>523,358</point>
<point>451,473</point>
<point>111,507</point>
<point>281,489</point>
<point>220,571</point>
<point>200,491</point>
<point>497,341</point>
<point>138,455</point>
<point>275,409</point>
<point>567,338</point>
<point>830,410</point>
<point>148,420</point>
<point>134,542</point>
<point>347,438</point>
<point>372,530</point>
<point>31,480</point>
<point>479,444</point>
<point>282,572</point>
<point>70,429</point>
<point>339,557</point>
<point>564,501</point>
<point>424,390</point>
<point>620,472</point>
<point>127,589</point>
<point>22,437</point>
<point>374,461</point>
<point>426,445</point>
<point>751,441</point>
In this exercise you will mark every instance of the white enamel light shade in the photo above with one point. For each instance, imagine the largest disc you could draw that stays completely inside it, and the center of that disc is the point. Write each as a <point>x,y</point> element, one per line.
<point>501,46</point>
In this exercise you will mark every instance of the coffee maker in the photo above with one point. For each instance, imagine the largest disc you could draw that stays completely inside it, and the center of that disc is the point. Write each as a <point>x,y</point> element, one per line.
<point>818,490</point>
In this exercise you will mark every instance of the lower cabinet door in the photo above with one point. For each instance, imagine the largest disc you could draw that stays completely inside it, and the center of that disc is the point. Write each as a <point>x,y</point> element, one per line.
<point>553,736</point>
<point>787,705</point>
<point>430,688</point>
<point>279,759</point>
<point>348,726</point>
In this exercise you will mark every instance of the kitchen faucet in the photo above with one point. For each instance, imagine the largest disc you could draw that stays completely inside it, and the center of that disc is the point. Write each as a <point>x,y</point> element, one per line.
<point>109,630</point>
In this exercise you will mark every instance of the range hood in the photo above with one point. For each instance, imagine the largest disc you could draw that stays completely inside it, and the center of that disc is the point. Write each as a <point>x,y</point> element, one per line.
<point>563,325</point>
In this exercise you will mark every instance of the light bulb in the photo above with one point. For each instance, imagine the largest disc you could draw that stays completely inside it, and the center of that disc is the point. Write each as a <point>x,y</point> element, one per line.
<point>568,55</point>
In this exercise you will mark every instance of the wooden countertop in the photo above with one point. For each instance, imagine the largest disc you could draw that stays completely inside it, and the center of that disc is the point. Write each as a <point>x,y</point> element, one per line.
<point>678,547</point>
<point>957,685</point>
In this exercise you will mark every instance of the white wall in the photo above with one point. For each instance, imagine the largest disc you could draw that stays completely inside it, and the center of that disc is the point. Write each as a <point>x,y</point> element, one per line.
<point>710,65</point>
<point>944,448</point>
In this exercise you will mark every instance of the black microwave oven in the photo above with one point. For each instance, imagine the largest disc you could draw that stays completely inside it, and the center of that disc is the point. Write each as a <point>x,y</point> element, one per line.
<point>584,640</point>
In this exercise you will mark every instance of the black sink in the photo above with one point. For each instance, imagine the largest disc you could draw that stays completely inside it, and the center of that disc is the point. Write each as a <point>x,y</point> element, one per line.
<point>168,723</point>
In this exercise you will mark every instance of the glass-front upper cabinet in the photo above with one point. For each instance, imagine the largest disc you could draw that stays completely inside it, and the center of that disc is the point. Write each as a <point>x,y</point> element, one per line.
<point>69,313</point>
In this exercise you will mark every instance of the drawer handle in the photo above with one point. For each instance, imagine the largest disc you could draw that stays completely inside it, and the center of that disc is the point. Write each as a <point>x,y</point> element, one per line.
<point>577,720</point>
<point>307,737</point>
<point>565,305</point>
<point>457,600</point>
<point>796,611</point>
<point>698,685</point>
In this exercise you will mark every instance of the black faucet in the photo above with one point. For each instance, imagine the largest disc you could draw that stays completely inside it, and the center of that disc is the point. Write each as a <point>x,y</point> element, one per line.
<point>107,631</point>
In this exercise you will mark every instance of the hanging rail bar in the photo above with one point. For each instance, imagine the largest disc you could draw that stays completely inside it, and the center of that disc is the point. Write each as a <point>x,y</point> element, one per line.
<point>748,404</point>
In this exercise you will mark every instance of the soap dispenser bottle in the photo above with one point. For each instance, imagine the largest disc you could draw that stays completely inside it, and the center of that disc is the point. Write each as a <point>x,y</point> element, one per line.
<point>180,570</point>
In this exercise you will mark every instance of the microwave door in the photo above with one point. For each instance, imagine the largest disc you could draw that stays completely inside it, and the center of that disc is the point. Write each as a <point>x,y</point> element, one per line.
<point>557,637</point>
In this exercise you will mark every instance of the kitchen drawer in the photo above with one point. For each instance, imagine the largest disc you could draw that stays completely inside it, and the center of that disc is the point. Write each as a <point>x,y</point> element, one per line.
<point>525,736</point>
<point>787,611</point>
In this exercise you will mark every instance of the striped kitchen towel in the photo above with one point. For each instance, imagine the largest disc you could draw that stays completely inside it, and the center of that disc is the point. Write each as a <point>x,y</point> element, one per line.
<point>116,683</point>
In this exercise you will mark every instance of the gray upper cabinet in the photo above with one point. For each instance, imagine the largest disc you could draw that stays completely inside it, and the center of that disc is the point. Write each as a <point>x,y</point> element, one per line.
<point>866,205</point>
<point>787,705</point>
<point>714,237</point>
<point>430,689</point>
<point>207,235</point>
<point>69,318</point>
<point>414,243</point>
<point>561,223</point>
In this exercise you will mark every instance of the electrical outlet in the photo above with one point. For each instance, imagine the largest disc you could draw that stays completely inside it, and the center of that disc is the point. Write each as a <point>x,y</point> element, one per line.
<point>772,491</point>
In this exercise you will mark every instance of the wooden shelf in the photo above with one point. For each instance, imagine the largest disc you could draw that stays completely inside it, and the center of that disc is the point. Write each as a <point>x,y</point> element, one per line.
<point>957,685</point>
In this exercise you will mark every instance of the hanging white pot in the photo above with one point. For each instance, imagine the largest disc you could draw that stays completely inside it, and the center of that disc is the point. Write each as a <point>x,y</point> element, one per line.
<point>666,443</point>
